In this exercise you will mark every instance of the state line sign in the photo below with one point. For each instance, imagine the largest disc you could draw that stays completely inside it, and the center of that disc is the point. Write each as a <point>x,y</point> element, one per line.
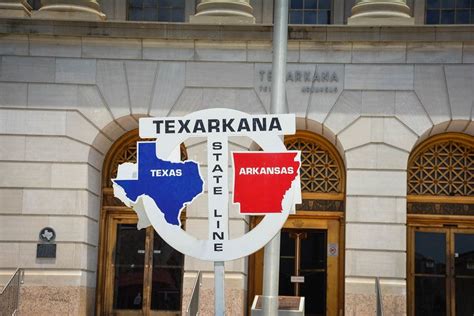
<point>159,186</point>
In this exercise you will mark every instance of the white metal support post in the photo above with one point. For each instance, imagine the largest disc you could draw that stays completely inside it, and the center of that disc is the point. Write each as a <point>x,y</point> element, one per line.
<point>219,288</point>
<point>278,106</point>
<point>218,200</point>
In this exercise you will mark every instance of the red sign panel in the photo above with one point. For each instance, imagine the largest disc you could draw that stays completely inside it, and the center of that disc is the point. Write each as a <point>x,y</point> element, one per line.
<point>261,180</point>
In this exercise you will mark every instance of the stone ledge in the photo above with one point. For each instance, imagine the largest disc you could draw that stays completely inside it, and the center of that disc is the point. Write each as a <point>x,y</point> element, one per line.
<point>221,20</point>
<point>181,31</point>
<point>368,21</point>
<point>68,15</point>
<point>15,9</point>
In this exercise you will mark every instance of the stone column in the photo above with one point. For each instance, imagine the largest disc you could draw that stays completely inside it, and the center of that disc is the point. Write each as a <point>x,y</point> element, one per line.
<point>380,12</point>
<point>88,10</point>
<point>14,9</point>
<point>223,12</point>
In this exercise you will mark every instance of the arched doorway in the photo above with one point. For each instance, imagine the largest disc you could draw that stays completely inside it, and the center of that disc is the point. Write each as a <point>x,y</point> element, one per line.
<point>139,273</point>
<point>312,243</point>
<point>440,211</point>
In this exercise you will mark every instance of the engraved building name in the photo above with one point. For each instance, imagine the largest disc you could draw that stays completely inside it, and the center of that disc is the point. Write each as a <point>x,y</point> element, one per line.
<point>309,80</point>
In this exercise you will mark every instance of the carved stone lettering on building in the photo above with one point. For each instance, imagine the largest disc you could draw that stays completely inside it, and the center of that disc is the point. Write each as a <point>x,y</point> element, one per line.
<point>306,78</point>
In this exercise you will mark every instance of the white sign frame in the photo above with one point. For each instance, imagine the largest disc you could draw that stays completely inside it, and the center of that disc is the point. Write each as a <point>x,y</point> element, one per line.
<point>174,235</point>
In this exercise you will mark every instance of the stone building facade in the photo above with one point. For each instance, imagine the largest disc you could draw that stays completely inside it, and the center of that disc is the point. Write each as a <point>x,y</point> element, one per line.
<point>75,77</point>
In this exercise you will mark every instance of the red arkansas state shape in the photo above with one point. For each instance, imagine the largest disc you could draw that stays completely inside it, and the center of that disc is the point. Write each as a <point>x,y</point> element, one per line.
<point>261,180</point>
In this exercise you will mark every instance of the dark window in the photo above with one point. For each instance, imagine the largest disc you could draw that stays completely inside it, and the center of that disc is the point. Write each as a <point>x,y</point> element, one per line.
<point>309,12</point>
<point>449,11</point>
<point>156,10</point>
<point>35,4</point>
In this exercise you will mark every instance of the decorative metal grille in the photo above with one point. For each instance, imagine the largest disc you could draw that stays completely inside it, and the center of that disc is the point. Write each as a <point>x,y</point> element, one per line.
<point>445,168</point>
<point>128,154</point>
<point>320,171</point>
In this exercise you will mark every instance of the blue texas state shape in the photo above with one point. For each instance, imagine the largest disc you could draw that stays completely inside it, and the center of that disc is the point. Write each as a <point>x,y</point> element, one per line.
<point>170,184</point>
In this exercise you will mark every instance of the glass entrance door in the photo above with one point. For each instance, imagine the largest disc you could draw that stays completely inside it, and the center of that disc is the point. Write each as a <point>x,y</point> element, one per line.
<point>442,272</point>
<point>303,265</point>
<point>463,272</point>
<point>129,269</point>
<point>310,265</point>
<point>167,278</point>
<point>144,274</point>
<point>430,273</point>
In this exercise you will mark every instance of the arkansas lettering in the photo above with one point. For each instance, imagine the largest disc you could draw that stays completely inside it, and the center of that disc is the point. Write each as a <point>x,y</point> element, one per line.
<point>266,170</point>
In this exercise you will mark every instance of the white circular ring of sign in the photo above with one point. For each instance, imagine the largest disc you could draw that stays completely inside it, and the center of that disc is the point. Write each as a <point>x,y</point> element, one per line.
<point>232,249</point>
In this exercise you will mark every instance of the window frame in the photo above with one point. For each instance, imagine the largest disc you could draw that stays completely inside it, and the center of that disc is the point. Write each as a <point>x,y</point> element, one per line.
<point>331,14</point>
<point>185,20</point>
<point>470,10</point>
